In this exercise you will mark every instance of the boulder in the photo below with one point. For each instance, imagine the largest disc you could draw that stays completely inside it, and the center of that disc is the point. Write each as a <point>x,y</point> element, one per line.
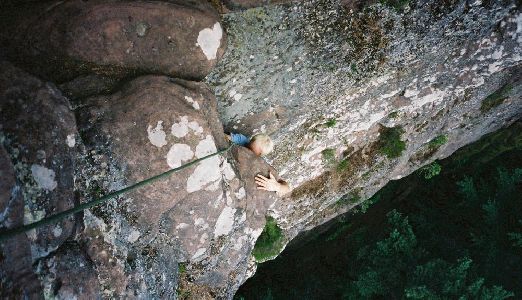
<point>17,278</point>
<point>61,40</point>
<point>38,130</point>
<point>206,216</point>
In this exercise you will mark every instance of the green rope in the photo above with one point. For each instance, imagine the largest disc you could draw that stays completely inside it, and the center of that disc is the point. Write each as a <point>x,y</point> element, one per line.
<point>61,215</point>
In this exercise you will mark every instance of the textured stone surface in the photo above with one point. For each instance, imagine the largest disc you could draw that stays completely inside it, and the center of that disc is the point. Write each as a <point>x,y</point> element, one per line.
<point>207,216</point>
<point>16,275</point>
<point>38,130</point>
<point>63,39</point>
<point>330,75</point>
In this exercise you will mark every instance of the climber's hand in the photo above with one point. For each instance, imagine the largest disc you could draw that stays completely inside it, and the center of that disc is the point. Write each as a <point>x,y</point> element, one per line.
<point>268,184</point>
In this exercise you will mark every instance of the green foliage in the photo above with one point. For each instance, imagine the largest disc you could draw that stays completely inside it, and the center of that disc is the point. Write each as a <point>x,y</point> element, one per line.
<point>467,189</point>
<point>393,267</point>
<point>339,231</point>
<point>438,279</point>
<point>438,141</point>
<point>496,98</point>
<point>430,170</point>
<point>393,114</point>
<point>343,165</point>
<point>328,156</point>
<point>182,269</point>
<point>516,237</point>
<point>270,242</point>
<point>331,122</point>
<point>390,143</point>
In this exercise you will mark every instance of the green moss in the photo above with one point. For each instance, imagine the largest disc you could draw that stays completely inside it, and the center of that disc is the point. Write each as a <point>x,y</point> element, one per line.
<point>438,141</point>
<point>496,98</point>
<point>328,156</point>
<point>330,123</point>
<point>390,143</point>
<point>182,269</point>
<point>343,165</point>
<point>270,242</point>
<point>393,114</point>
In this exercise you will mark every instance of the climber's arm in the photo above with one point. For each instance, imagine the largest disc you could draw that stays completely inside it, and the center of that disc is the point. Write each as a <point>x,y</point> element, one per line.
<point>281,187</point>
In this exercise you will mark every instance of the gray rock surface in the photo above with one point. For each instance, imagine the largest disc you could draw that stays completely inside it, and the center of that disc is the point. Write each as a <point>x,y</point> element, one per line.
<point>328,76</point>
<point>38,130</point>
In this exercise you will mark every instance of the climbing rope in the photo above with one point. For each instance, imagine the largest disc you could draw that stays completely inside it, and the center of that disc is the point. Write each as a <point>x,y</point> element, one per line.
<point>59,216</point>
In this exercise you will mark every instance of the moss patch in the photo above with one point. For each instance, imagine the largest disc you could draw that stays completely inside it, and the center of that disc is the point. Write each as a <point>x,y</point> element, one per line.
<point>438,141</point>
<point>270,242</point>
<point>496,98</point>
<point>390,143</point>
<point>330,123</point>
<point>328,156</point>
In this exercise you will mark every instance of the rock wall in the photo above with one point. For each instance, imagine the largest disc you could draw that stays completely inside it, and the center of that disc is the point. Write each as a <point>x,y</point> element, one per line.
<point>326,79</point>
<point>354,94</point>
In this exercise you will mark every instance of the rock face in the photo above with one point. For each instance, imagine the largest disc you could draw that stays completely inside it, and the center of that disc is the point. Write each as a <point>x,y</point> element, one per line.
<point>329,77</point>
<point>208,215</point>
<point>61,40</point>
<point>17,276</point>
<point>354,95</point>
<point>39,132</point>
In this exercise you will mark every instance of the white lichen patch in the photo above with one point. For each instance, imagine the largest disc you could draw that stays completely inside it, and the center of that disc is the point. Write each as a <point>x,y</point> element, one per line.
<point>205,147</point>
<point>225,221</point>
<point>209,40</point>
<point>181,129</point>
<point>201,223</point>
<point>228,171</point>
<point>133,236</point>
<point>240,194</point>
<point>179,153</point>
<point>71,141</point>
<point>57,231</point>
<point>182,226</point>
<point>44,177</point>
<point>194,103</point>
<point>157,135</point>
<point>206,172</point>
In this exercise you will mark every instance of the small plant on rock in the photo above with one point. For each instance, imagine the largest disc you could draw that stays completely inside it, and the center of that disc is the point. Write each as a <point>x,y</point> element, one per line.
<point>438,141</point>
<point>270,242</point>
<point>430,170</point>
<point>328,156</point>
<point>390,143</point>
<point>331,122</point>
<point>496,98</point>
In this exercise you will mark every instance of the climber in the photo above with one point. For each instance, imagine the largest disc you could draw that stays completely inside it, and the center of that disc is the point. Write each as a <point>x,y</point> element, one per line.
<point>261,145</point>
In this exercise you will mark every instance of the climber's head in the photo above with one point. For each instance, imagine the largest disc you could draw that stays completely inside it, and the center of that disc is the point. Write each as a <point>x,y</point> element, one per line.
<point>261,144</point>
